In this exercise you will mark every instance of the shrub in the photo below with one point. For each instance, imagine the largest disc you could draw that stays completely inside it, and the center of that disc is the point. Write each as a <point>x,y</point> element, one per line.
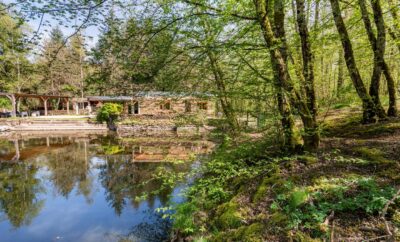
<point>108,113</point>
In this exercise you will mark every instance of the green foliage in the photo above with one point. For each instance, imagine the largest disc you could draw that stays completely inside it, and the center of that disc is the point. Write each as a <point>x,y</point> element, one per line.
<point>109,112</point>
<point>222,175</point>
<point>297,198</point>
<point>113,149</point>
<point>309,206</point>
<point>184,218</point>
<point>5,103</point>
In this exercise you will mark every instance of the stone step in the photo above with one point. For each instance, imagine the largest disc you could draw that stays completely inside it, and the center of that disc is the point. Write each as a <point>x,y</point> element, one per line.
<point>44,128</point>
<point>55,125</point>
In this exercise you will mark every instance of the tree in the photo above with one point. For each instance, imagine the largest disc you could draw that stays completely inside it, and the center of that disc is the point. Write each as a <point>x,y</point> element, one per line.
<point>15,69</point>
<point>311,134</point>
<point>369,108</point>
<point>77,63</point>
<point>378,44</point>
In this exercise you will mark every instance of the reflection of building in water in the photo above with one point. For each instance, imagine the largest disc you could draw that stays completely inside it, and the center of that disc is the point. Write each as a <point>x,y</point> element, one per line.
<point>147,153</point>
<point>79,166</point>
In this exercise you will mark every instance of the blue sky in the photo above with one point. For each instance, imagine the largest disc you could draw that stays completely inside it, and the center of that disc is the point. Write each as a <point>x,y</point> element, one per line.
<point>91,33</point>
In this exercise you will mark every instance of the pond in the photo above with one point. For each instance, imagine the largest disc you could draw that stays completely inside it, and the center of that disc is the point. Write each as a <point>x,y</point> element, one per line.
<point>89,187</point>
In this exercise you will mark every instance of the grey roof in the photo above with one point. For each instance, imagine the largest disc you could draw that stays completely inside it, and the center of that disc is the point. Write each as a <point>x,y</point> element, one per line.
<point>170,94</point>
<point>149,94</point>
<point>110,98</point>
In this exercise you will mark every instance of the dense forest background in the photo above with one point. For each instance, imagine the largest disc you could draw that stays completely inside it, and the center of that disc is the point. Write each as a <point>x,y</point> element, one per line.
<point>275,60</point>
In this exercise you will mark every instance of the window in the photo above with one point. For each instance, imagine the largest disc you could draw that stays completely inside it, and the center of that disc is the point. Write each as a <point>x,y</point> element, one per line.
<point>136,109</point>
<point>202,105</point>
<point>165,105</point>
<point>188,106</point>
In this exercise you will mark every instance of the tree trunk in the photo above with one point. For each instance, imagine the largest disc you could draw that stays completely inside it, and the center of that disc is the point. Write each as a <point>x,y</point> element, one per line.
<point>394,30</point>
<point>369,109</point>
<point>378,47</point>
<point>340,80</point>
<point>225,103</point>
<point>290,141</point>
<point>283,76</point>
<point>378,44</point>
<point>308,73</point>
<point>392,110</point>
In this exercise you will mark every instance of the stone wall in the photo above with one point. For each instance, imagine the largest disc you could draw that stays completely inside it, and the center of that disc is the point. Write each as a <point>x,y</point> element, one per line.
<point>161,130</point>
<point>170,106</point>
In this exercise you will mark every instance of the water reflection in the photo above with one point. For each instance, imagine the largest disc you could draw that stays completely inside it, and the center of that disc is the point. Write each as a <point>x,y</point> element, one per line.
<point>90,182</point>
<point>19,193</point>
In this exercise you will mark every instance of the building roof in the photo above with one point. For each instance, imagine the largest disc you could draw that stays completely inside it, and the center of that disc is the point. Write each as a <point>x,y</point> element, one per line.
<point>144,94</point>
<point>17,95</point>
<point>110,98</point>
<point>170,94</point>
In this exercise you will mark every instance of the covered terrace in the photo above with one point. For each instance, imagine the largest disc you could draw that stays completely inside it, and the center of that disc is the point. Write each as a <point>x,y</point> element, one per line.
<point>44,98</point>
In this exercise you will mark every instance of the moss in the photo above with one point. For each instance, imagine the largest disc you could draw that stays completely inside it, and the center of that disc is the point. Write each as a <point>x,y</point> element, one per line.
<point>351,126</point>
<point>302,237</point>
<point>308,159</point>
<point>396,218</point>
<point>383,128</point>
<point>390,172</point>
<point>228,216</point>
<point>264,186</point>
<point>278,218</point>
<point>298,197</point>
<point>261,192</point>
<point>373,154</point>
<point>251,233</point>
<point>199,239</point>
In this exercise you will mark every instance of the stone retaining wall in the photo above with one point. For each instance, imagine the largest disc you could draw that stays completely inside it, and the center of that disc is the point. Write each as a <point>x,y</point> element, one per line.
<point>161,130</point>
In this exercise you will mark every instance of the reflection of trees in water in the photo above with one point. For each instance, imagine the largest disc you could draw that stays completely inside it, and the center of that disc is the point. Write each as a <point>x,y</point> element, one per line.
<point>19,191</point>
<point>70,168</point>
<point>126,180</point>
<point>6,147</point>
<point>153,229</point>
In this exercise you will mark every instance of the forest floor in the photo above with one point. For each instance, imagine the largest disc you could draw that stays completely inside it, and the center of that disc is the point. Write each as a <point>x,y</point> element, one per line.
<point>348,191</point>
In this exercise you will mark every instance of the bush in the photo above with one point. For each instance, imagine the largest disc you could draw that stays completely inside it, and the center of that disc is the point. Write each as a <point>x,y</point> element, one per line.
<point>108,113</point>
<point>5,103</point>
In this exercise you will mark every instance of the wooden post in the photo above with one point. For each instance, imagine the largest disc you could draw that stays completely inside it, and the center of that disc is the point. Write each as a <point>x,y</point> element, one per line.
<point>17,153</point>
<point>14,105</point>
<point>125,110</point>
<point>45,105</point>
<point>17,103</point>
<point>68,106</point>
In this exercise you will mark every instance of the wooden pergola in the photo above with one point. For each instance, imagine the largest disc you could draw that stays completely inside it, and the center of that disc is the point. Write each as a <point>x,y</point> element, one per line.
<point>43,97</point>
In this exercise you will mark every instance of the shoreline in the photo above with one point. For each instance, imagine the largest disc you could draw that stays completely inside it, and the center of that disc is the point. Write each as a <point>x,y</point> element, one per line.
<point>8,126</point>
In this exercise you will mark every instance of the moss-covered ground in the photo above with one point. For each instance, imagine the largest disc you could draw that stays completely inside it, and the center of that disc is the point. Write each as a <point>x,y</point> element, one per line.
<point>347,191</point>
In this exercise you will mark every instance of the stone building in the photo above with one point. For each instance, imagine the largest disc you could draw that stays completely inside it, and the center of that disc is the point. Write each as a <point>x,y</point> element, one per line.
<point>151,104</point>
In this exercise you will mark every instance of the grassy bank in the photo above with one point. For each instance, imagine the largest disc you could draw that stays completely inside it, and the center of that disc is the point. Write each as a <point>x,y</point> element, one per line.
<point>252,192</point>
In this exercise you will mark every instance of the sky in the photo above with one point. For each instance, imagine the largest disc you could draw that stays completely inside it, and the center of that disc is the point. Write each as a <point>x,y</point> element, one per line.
<point>91,33</point>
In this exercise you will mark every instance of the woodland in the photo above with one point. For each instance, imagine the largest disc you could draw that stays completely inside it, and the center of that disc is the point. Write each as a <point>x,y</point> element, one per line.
<point>321,77</point>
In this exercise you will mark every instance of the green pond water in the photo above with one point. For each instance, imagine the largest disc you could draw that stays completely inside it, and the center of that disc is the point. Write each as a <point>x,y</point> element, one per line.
<point>85,187</point>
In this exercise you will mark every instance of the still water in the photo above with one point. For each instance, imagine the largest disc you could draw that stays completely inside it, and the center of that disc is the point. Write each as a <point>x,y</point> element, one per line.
<point>89,188</point>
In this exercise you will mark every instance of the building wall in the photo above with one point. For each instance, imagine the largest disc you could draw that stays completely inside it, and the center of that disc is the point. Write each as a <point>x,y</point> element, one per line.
<point>158,106</point>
